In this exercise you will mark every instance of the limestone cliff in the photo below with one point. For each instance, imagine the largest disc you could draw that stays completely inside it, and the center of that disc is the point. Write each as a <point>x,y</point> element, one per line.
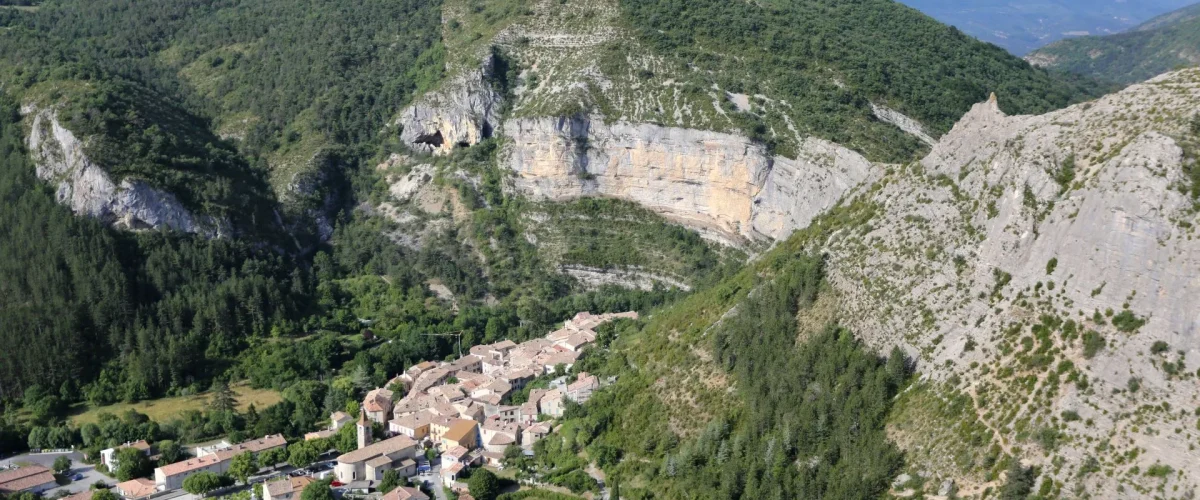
<point>994,256</point>
<point>462,113</point>
<point>720,183</point>
<point>89,190</point>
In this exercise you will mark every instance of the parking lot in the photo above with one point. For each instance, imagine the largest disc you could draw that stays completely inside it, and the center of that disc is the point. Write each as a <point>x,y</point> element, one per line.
<point>89,473</point>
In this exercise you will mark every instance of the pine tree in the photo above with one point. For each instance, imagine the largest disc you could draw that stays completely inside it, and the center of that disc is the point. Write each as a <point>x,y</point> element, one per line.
<point>222,399</point>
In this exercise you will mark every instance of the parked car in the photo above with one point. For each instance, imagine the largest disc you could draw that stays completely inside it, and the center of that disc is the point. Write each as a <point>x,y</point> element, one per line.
<point>77,477</point>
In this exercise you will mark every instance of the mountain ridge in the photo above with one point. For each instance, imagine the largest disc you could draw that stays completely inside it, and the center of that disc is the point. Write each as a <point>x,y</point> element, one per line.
<point>1161,44</point>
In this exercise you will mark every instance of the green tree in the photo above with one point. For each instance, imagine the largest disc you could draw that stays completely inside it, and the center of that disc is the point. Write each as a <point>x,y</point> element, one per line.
<point>243,465</point>
<point>391,479</point>
<point>317,491</point>
<point>62,464</point>
<point>615,493</point>
<point>104,494</point>
<point>272,457</point>
<point>201,483</point>
<point>302,454</point>
<point>132,464</point>
<point>484,485</point>
<point>1019,482</point>
<point>169,452</point>
<point>223,399</point>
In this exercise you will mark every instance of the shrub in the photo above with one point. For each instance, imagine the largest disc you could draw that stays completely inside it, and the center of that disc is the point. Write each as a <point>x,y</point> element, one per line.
<point>1093,342</point>
<point>1051,265</point>
<point>1159,347</point>
<point>1127,322</point>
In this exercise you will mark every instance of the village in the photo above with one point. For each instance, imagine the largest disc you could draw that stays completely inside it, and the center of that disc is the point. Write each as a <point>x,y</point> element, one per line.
<point>438,419</point>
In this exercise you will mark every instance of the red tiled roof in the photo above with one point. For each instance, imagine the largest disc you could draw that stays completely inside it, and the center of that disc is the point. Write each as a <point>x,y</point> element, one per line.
<point>406,493</point>
<point>24,478</point>
<point>136,488</point>
<point>190,464</point>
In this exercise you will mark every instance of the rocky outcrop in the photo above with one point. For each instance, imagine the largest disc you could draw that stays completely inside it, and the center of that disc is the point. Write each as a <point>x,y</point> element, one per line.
<point>88,189</point>
<point>722,184</point>
<point>1013,223</point>
<point>462,113</point>
<point>903,122</point>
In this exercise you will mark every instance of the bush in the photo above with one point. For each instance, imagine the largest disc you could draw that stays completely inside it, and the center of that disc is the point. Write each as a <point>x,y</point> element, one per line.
<point>1159,347</point>
<point>1093,342</point>
<point>1127,322</point>
<point>484,485</point>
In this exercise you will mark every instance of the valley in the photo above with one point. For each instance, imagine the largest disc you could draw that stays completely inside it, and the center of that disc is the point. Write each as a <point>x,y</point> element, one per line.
<point>864,255</point>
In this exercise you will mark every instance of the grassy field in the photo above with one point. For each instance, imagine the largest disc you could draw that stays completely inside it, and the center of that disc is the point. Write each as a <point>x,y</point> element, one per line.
<point>162,410</point>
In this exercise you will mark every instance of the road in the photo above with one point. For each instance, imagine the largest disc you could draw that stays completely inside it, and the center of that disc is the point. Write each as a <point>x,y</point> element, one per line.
<point>90,474</point>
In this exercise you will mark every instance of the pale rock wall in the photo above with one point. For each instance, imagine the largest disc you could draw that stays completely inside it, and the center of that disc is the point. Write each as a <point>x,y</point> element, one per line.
<point>1123,235</point>
<point>720,183</point>
<point>464,111</point>
<point>89,190</point>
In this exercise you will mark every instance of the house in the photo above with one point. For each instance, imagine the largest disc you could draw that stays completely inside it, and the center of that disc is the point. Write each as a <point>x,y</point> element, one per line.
<point>325,434</point>
<point>497,434</point>
<point>551,360</point>
<point>450,474</point>
<point>447,392</point>
<point>463,433</point>
<point>466,364</point>
<point>409,377</point>
<point>370,462</point>
<point>171,476</point>
<point>518,378</point>
<point>439,426</point>
<point>431,378</point>
<point>577,341</point>
<point>339,419</point>
<point>535,433</point>
<point>412,404</point>
<point>108,456</point>
<point>378,405</point>
<point>506,413</point>
<point>415,426</point>
<point>406,493</point>
<point>136,489</point>
<point>455,455</point>
<point>288,488</point>
<point>255,446</point>
<point>473,411</point>
<point>581,390</point>
<point>496,387</point>
<point>552,403</point>
<point>31,478</point>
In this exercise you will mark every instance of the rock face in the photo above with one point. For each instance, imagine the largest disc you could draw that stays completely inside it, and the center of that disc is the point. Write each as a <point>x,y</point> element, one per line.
<point>1075,219</point>
<point>89,190</point>
<point>462,113</point>
<point>720,183</point>
<point>1013,226</point>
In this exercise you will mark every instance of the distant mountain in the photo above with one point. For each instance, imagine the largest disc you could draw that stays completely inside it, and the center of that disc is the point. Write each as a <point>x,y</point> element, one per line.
<point>1022,26</point>
<point>1156,46</point>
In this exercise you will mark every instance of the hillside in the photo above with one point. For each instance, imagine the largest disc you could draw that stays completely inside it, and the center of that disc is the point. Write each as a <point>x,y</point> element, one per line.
<point>1044,301</point>
<point>1159,45</point>
<point>1022,26</point>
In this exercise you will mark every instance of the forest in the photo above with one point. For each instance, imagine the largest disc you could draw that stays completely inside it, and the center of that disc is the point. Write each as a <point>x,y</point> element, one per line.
<point>880,51</point>
<point>819,398</point>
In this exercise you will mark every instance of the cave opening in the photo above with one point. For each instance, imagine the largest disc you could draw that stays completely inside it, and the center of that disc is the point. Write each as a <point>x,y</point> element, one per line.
<point>435,139</point>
